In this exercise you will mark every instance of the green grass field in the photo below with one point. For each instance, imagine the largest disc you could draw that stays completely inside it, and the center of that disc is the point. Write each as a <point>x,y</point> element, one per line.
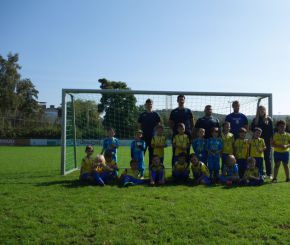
<point>38,206</point>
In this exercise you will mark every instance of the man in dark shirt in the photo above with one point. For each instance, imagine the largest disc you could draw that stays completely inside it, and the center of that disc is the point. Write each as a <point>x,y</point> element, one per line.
<point>181,115</point>
<point>148,120</point>
<point>236,119</point>
<point>207,122</point>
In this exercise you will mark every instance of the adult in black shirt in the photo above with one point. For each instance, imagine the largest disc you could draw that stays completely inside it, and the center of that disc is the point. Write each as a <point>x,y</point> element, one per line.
<point>207,122</point>
<point>181,115</point>
<point>266,124</point>
<point>148,120</point>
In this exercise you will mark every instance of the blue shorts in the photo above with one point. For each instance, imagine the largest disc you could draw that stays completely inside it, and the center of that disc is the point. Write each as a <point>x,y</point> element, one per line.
<point>281,157</point>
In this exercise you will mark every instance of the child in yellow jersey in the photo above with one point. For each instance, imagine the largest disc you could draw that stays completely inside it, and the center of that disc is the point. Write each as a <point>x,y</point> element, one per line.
<point>228,142</point>
<point>199,170</point>
<point>158,143</point>
<point>257,147</point>
<point>181,142</point>
<point>156,172</point>
<point>180,171</point>
<point>252,176</point>
<point>281,144</point>
<point>110,162</point>
<point>101,172</point>
<point>241,151</point>
<point>130,175</point>
<point>87,164</point>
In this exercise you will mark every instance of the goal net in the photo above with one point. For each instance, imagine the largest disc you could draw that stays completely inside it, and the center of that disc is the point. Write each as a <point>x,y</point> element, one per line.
<point>86,114</point>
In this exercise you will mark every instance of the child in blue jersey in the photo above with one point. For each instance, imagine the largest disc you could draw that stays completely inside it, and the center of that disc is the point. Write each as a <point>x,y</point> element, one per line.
<point>111,163</point>
<point>228,142</point>
<point>200,171</point>
<point>230,173</point>
<point>199,146</point>
<point>111,143</point>
<point>101,172</point>
<point>214,146</point>
<point>158,143</point>
<point>156,172</point>
<point>130,175</point>
<point>180,171</point>
<point>252,176</point>
<point>87,164</point>
<point>138,147</point>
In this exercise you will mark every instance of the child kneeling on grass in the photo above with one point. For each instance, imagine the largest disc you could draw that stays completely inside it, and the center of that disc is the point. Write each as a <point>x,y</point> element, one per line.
<point>180,170</point>
<point>87,164</point>
<point>130,175</point>
<point>252,176</point>
<point>156,171</point>
<point>101,173</point>
<point>230,173</point>
<point>199,170</point>
<point>111,163</point>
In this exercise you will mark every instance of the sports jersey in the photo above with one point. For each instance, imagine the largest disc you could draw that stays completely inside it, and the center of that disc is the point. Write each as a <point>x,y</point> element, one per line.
<point>181,141</point>
<point>148,121</point>
<point>156,167</point>
<point>255,146</point>
<point>182,116</point>
<point>199,147</point>
<point>207,123</point>
<point>199,169</point>
<point>108,146</point>
<point>137,150</point>
<point>228,142</point>
<point>180,166</point>
<point>251,172</point>
<point>237,121</point>
<point>281,139</point>
<point>214,145</point>
<point>241,148</point>
<point>87,164</point>
<point>231,171</point>
<point>160,140</point>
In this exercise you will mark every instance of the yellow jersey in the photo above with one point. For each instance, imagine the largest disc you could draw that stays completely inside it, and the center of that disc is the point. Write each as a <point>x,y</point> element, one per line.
<point>199,169</point>
<point>251,172</point>
<point>256,145</point>
<point>241,147</point>
<point>180,141</point>
<point>228,142</point>
<point>281,139</point>
<point>160,140</point>
<point>180,166</point>
<point>87,165</point>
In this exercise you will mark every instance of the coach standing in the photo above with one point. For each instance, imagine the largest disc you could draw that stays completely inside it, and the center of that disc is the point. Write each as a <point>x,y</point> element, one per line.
<point>181,115</point>
<point>207,122</point>
<point>236,119</point>
<point>148,120</point>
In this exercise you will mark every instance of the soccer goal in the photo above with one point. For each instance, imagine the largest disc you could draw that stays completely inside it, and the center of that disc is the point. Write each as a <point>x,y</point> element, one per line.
<point>87,113</point>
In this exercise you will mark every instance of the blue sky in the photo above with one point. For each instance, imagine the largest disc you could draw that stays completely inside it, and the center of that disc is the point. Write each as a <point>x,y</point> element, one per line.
<point>190,45</point>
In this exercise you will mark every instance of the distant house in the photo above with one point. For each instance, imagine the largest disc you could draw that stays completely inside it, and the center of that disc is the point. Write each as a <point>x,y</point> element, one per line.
<point>51,113</point>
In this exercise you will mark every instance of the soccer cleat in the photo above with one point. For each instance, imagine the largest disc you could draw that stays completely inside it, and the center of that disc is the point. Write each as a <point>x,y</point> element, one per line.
<point>270,177</point>
<point>142,177</point>
<point>128,183</point>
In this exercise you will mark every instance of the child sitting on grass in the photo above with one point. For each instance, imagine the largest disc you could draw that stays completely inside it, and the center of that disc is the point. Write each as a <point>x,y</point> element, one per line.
<point>101,172</point>
<point>180,171</point>
<point>111,163</point>
<point>230,173</point>
<point>130,175</point>
<point>199,171</point>
<point>87,164</point>
<point>252,176</point>
<point>156,172</point>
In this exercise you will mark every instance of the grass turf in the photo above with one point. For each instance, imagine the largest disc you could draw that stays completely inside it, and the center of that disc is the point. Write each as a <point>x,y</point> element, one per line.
<point>40,206</point>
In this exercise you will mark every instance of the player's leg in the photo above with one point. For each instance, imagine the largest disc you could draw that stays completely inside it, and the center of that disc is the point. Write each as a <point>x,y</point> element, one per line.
<point>267,158</point>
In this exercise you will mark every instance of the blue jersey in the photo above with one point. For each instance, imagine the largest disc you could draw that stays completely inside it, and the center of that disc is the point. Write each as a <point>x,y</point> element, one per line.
<point>237,121</point>
<point>231,171</point>
<point>214,145</point>
<point>111,144</point>
<point>137,150</point>
<point>199,148</point>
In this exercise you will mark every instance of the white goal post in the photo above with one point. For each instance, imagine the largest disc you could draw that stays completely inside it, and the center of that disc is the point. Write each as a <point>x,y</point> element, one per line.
<point>86,113</point>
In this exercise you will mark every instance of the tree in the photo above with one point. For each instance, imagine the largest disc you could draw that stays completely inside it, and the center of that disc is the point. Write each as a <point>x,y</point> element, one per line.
<point>120,110</point>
